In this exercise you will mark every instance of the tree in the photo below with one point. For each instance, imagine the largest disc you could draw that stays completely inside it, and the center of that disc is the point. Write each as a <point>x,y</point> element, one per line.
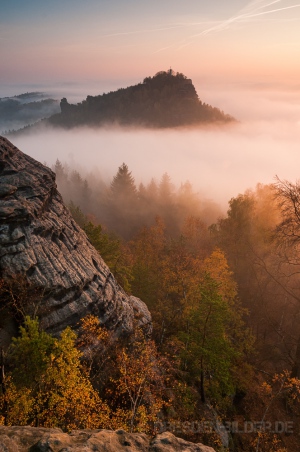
<point>148,250</point>
<point>287,237</point>
<point>61,173</point>
<point>167,207</point>
<point>129,372</point>
<point>123,203</point>
<point>112,251</point>
<point>123,185</point>
<point>49,383</point>
<point>165,189</point>
<point>288,230</point>
<point>212,336</point>
<point>108,245</point>
<point>245,236</point>
<point>140,385</point>
<point>77,214</point>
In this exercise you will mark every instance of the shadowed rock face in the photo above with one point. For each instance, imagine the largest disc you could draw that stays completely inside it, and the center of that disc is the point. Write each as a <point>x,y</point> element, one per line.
<point>30,439</point>
<point>40,241</point>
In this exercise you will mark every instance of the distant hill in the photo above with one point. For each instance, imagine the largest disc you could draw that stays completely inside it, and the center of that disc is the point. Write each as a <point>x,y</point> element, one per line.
<point>168,99</point>
<point>25,109</point>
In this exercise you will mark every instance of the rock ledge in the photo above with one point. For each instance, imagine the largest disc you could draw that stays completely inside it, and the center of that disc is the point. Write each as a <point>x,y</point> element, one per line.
<point>31,439</point>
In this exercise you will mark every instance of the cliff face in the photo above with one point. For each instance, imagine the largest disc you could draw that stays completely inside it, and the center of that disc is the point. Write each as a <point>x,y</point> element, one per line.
<point>41,243</point>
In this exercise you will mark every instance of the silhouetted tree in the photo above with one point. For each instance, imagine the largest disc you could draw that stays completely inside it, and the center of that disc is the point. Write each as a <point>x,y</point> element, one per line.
<point>123,203</point>
<point>123,184</point>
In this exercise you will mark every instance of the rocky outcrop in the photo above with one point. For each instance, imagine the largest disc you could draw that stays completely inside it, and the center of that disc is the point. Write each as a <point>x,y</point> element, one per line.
<point>167,99</point>
<point>41,243</point>
<point>30,439</point>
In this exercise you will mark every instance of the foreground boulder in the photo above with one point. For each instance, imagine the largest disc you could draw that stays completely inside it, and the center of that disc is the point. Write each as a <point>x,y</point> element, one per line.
<point>41,244</point>
<point>31,439</point>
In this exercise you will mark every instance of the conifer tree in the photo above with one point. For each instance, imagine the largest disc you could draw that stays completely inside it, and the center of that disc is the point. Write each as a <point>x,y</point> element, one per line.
<point>123,184</point>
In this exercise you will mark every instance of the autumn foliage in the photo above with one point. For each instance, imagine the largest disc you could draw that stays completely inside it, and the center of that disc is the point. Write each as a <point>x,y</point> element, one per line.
<point>224,301</point>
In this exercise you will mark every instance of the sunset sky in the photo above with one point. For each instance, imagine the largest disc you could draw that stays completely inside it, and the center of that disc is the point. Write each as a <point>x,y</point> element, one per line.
<point>123,41</point>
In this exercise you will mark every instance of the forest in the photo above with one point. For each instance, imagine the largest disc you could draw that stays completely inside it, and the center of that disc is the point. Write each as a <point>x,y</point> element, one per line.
<point>223,292</point>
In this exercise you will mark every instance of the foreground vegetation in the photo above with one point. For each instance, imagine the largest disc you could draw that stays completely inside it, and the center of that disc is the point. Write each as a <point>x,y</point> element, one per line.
<point>224,299</point>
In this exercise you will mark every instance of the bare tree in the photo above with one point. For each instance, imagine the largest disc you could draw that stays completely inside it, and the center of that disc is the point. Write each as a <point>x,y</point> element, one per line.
<point>287,238</point>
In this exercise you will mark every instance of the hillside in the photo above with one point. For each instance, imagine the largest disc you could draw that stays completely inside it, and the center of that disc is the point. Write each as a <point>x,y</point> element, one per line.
<point>24,109</point>
<point>168,99</point>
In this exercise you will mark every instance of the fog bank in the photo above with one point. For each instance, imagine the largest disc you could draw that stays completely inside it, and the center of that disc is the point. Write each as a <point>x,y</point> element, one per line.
<point>220,162</point>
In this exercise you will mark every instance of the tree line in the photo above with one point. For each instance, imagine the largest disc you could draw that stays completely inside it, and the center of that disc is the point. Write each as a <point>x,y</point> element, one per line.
<point>123,207</point>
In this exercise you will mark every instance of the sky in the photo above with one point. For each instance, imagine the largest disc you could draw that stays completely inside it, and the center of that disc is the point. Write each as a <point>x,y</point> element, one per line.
<point>113,43</point>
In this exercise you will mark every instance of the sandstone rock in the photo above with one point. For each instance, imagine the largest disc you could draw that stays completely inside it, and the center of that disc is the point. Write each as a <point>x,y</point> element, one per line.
<point>40,241</point>
<point>166,441</point>
<point>30,439</point>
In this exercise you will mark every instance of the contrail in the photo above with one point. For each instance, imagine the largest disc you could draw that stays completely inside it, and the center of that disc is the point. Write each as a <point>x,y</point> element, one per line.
<point>272,11</point>
<point>150,30</point>
<point>163,48</point>
<point>250,11</point>
<point>141,31</point>
<point>242,17</point>
<point>251,4</point>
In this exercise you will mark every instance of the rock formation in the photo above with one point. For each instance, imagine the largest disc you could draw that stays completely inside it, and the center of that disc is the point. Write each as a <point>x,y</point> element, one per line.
<point>30,439</point>
<point>167,99</point>
<point>41,243</point>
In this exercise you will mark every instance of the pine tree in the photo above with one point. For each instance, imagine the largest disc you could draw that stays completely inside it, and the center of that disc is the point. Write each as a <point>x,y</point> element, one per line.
<point>123,184</point>
<point>123,203</point>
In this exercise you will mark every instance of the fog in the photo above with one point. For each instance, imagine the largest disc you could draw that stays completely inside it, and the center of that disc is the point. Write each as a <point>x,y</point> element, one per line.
<point>220,162</point>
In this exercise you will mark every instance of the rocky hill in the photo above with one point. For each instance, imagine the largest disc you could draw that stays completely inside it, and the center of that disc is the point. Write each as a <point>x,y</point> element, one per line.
<point>168,99</point>
<point>43,249</point>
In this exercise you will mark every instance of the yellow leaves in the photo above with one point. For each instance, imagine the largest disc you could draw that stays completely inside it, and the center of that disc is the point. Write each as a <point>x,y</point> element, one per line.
<point>293,387</point>
<point>18,404</point>
<point>268,442</point>
<point>217,267</point>
<point>282,386</point>
<point>78,406</point>
<point>61,394</point>
<point>266,388</point>
<point>139,384</point>
<point>91,330</point>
